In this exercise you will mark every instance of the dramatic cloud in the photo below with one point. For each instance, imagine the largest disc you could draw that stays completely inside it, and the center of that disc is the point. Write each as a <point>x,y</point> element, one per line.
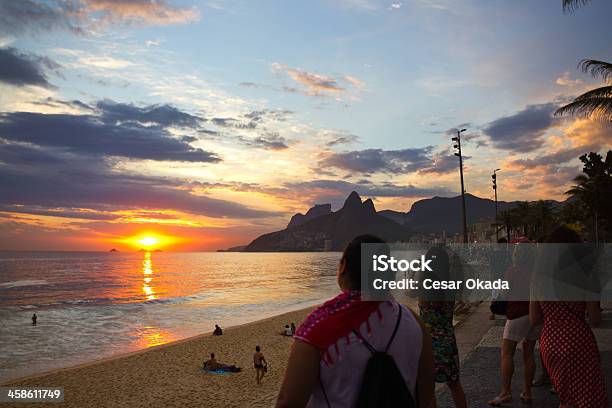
<point>45,181</point>
<point>316,84</point>
<point>378,160</point>
<point>163,115</point>
<point>81,16</point>
<point>91,135</point>
<point>524,131</point>
<point>19,69</point>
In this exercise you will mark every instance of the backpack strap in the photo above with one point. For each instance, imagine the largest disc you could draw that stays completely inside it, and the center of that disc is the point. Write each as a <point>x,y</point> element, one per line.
<point>397,323</point>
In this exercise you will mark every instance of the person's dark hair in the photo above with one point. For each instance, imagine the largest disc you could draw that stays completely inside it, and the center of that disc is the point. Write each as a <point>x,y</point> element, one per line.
<point>257,348</point>
<point>352,257</point>
<point>440,262</point>
<point>502,241</point>
<point>563,235</point>
<point>286,326</point>
<point>212,355</point>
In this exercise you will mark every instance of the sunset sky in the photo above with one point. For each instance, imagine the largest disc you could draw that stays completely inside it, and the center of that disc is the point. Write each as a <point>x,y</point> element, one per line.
<point>205,123</point>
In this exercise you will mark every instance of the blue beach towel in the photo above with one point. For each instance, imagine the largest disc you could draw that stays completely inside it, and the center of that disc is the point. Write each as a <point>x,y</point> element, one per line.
<point>218,371</point>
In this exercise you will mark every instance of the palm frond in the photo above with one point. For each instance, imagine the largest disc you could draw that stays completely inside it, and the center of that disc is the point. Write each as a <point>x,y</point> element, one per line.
<point>596,103</point>
<point>571,5</point>
<point>597,68</point>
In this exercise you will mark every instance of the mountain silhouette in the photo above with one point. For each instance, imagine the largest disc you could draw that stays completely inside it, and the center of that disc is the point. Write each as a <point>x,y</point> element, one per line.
<point>316,211</point>
<point>332,230</point>
<point>437,214</point>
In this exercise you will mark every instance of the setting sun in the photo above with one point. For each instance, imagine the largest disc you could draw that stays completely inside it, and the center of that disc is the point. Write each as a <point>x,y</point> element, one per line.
<point>148,241</point>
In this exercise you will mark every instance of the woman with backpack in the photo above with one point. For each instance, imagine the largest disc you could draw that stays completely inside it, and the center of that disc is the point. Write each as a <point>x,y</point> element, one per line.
<point>354,353</point>
<point>436,308</point>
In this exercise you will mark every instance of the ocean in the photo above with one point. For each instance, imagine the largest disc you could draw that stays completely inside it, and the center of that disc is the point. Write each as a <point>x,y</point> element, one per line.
<point>93,305</point>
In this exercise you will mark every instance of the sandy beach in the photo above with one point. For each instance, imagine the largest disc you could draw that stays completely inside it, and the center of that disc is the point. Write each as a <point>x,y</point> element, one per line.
<point>170,375</point>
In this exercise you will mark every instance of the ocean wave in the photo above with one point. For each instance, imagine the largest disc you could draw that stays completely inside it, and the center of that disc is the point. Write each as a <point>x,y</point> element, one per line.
<point>26,282</point>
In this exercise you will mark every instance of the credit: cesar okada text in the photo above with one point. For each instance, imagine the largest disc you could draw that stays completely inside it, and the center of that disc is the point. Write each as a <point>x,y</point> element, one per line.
<point>386,263</point>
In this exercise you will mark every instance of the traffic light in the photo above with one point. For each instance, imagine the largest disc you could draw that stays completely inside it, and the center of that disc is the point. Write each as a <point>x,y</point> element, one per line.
<point>494,177</point>
<point>456,145</point>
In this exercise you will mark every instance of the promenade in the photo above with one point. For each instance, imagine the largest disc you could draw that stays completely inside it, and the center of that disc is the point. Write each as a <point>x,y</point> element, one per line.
<point>479,341</point>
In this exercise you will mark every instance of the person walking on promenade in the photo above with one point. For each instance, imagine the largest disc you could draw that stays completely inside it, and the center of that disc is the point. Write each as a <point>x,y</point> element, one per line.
<point>567,343</point>
<point>518,328</point>
<point>339,344</point>
<point>436,309</point>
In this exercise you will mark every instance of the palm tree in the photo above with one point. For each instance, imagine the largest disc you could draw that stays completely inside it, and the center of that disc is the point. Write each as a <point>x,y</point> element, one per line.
<point>571,5</point>
<point>594,188</point>
<point>596,103</point>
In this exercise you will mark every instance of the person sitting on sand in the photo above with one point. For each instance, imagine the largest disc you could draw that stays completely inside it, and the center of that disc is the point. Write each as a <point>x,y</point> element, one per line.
<point>292,328</point>
<point>211,364</point>
<point>218,331</point>
<point>261,365</point>
<point>286,331</point>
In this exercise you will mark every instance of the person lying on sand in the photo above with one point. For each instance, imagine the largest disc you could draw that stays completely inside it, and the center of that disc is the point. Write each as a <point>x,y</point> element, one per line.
<point>213,365</point>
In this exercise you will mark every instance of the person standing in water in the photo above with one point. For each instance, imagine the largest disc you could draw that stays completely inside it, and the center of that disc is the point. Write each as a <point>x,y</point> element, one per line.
<point>34,317</point>
<point>261,365</point>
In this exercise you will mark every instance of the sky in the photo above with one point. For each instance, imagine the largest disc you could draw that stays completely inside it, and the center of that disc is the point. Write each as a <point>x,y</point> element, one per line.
<point>207,123</point>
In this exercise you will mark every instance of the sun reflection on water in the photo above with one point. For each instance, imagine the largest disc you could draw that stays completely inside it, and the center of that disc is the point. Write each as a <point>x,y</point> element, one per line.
<point>147,271</point>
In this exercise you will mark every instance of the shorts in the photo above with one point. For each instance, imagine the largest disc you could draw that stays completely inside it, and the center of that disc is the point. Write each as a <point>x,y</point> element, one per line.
<point>520,329</point>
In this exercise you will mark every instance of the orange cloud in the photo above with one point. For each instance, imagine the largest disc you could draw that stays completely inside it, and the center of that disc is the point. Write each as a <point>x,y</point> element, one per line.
<point>140,11</point>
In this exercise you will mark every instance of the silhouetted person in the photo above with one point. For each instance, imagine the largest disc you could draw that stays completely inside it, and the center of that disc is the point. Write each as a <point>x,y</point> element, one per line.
<point>292,328</point>
<point>34,317</point>
<point>218,331</point>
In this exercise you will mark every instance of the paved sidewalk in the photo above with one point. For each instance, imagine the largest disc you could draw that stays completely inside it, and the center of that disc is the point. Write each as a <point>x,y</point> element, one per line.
<point>480,363</point>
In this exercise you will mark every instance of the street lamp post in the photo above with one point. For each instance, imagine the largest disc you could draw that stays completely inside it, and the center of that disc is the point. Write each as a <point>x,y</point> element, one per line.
<point>494,177</point>
<point>457,146</point>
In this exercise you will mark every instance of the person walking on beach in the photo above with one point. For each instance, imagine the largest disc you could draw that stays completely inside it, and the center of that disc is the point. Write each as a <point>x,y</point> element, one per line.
<point>436,310</point>
<point>518,328</point>
<point>260,363</point>
<point>34,318</point>
<point>338,344</point>
<point>568,347</point>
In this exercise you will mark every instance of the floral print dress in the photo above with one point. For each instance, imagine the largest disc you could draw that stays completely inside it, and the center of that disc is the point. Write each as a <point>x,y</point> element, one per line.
<point>438,318</point>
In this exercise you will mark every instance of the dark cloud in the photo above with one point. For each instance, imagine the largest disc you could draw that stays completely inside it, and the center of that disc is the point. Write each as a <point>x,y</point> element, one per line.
<point>91,135</point>
<point>558,158</point>
<point>378,160</point>
<point>340,139</point>
<point>81,16</point>
<point>524,131</point>
<point>20,69</point>
<point>271,141</point>
<point>17,17</point>
<point>443,163</point>
<point>234,123</point>
<point>39,181</point>
<point>163,115</point>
